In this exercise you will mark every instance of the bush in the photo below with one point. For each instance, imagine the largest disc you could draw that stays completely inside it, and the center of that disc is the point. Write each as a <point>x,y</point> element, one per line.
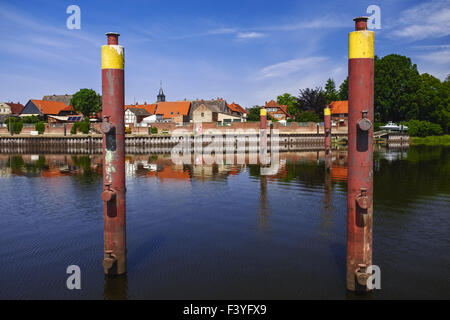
<point>30,119</point>
<point>74,128</point>
<point>127,130</point>
<point>15,123</point>
<point>154,130</point>
<point>417,128</point>
<point>82,126</point>
<point>39,127</point>
<point>307,116</point>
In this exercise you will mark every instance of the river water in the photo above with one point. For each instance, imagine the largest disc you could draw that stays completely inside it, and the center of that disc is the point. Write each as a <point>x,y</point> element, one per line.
<point>223,231</point>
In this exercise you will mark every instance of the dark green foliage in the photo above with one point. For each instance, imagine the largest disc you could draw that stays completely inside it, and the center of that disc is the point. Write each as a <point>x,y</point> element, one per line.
<point>154,130</point>
<point>30,119</point>
<point>307,116</point>
<point>86,101</point>
<point>312,100</point>
<point>331,93</point>
<point>82,126</point>
<point>14,124</point>
<point>290,101</point>
<point>418,128</point>
<point>40,127</point>
<point>253,113</point>
<point>343,90</point>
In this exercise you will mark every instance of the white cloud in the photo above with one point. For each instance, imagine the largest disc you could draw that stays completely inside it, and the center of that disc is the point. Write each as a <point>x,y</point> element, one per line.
<point>287,67</point>
<point>427,20</point>
<point>249,35</point>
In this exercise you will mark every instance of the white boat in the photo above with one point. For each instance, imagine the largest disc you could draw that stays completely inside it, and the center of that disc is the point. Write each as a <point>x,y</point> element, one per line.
<point>394,127</point>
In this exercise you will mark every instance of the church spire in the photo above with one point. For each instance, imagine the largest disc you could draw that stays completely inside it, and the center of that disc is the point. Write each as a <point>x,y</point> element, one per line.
<point>161,96</point>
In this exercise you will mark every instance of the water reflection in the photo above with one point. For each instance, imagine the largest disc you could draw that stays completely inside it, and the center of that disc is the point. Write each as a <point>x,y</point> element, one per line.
<point>198,227</point>
<point>115,287</point>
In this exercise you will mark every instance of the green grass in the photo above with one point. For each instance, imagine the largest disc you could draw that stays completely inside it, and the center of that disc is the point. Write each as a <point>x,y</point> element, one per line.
<point>431,140</point>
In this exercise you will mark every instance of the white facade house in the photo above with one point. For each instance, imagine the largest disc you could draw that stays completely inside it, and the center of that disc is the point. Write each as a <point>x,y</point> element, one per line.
<point>153,118</point>
<point>135,116</point>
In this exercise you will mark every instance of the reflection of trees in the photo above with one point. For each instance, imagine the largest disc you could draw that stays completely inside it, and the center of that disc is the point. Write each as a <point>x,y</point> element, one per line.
<point>87,173</point>
<point>426,172</point>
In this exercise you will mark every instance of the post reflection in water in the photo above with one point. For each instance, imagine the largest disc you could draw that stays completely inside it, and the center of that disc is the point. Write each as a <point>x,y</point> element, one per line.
<point>196,224</point>
<point>115,287</point>
<point>264,207</point>
<point>326,219</point>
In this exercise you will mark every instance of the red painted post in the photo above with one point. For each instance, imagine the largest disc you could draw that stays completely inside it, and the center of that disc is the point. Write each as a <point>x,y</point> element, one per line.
<point>360,155</point>
<point>327,138</point>
<point>263,137</point>
<point>327,129</point>
<point>113,127</point>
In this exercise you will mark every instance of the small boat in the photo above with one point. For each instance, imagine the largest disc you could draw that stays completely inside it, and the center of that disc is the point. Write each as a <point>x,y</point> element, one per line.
<point>394,127</point>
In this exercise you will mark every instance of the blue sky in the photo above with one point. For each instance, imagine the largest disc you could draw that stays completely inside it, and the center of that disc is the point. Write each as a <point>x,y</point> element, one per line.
<point>243,51</point>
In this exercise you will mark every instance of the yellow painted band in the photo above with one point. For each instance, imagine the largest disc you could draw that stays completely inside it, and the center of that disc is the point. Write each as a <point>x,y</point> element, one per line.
<point>327,112</point>
<point>262,112</point>
<point>112,57</point>
<point>361,44</point>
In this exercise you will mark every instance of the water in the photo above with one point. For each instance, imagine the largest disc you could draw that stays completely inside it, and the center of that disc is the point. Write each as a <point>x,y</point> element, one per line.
<point>223,231</point>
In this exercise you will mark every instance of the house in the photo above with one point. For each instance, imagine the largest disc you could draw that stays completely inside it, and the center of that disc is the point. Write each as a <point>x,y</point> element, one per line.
<point>237,110</point>
<point>10,108</point>
<point>176,111</point>
<point>44,108</point>
<point>339,113</point>
<point>204,113</point>
<point>135,115</point>
<point>277,111</point>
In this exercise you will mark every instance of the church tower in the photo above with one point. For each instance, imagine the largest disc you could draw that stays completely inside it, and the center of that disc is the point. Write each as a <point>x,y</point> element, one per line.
<point>161,97</point>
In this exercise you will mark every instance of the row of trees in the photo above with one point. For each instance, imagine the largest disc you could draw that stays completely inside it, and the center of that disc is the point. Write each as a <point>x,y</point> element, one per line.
<point>401,94</point>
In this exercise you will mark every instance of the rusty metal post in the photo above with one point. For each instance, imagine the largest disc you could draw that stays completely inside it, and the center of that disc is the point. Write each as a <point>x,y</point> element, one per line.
<point>113,128</point>
<point>327,129</point>
<point>263,137</point>
<point>360,155</point>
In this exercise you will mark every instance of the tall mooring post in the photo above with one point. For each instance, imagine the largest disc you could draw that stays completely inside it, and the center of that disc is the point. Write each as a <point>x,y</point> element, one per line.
<point>327,137</point>
<point>113,128</point>
<point>360,155</point>
<point>263,136</point>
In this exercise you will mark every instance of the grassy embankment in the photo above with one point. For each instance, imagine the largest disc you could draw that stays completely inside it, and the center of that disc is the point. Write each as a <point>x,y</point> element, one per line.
<point>431,140</point>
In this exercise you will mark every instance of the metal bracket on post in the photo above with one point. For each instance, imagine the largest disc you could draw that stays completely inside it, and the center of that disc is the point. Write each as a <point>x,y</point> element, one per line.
<point>107,127</point>
<point>362,275</point>
<point>364,124</point>
<point>108,194</point>
<point>109,260</point>
<point>363,203</point>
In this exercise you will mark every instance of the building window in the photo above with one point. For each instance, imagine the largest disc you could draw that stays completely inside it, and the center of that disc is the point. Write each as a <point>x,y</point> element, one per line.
<point>171,113</point>
<point>203,114</point>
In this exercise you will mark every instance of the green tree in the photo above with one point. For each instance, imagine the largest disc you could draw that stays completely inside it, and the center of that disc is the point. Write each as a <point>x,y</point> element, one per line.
<point>253,113</point>
<point>396,84</point>
<point>290,101</point>
<point>330,91</point>
<point>40,127</point>
<point>312,100</point>
<point>86,101</point>
<point>14,124</point>
<point>307,116</point>
<point>343,90</point>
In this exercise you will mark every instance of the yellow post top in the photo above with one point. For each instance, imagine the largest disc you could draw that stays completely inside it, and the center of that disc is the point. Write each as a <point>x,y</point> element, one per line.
<point>327,112</point>
<point>112,57</point>
<point>361,44</point>
<point>262,112</point>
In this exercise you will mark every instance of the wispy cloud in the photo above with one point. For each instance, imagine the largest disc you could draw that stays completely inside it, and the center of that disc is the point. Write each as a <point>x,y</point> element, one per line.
<point>249,35</point>
<point>427,20</point>
<point>284,68</point>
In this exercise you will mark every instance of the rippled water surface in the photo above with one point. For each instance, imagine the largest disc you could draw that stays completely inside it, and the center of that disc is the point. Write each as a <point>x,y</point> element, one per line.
<point>223,231</point>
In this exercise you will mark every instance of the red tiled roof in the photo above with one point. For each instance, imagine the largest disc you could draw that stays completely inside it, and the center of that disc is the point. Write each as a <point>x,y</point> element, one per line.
<point>16,108</point>
<point>236,108</point>
<point>338,107</point>
<point>272,103</point>
<point>151,108</point>
<point>173,109</point>
<point>50,107</point>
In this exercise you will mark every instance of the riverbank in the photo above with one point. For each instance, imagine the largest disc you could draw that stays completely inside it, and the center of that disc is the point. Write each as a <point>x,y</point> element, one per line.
<point>431,140</point>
